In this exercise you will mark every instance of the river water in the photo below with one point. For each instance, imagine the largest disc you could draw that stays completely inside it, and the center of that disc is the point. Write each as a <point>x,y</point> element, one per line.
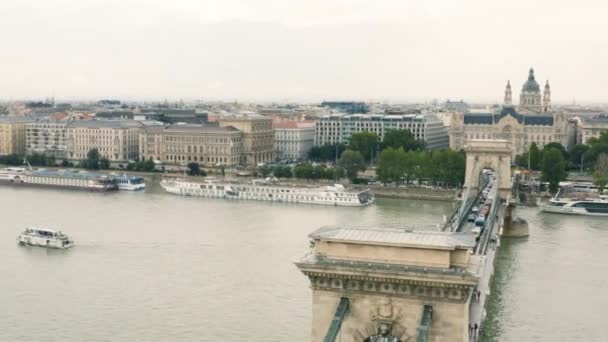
<point>151,266</point>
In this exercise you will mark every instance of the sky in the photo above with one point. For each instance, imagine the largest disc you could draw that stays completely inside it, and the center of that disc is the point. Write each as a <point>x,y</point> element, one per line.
<point>309,50</point>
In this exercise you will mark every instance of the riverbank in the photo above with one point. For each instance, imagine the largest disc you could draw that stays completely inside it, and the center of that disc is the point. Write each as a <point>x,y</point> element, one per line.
<point>380,191</point>
<point>413,193</point>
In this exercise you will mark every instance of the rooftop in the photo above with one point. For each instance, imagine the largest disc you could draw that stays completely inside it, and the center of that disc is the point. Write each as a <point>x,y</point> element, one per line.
<point>395,237</point>
<point>105,124</point>
<point>211,127</point>
<point>601,119</point>
<point>491,118</point>
<point>15,118</point>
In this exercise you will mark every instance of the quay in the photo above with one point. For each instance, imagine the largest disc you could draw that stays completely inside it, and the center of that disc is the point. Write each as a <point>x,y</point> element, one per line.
<point>387,284</point>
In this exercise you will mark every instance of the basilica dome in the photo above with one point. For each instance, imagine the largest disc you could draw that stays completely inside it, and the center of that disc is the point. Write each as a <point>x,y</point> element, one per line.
<point>531,86</point>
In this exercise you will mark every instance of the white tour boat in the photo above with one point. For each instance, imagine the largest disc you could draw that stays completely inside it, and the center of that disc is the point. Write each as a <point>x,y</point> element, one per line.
<point>587,206</point>
<point>45,238</point>
<point>263,190</point>
<point>126,182</point>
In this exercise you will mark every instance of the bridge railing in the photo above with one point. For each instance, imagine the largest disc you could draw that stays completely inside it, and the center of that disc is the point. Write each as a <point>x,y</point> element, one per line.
<point>489,225</point>
<point>455,221</point>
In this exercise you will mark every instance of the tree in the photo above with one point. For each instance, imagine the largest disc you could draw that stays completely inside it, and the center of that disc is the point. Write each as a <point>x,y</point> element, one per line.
<point>352,162</point>
<point>553,168</point>
<point>104,163</point>
<point>326,152</point>
<point>404,138</point>
<point>600,173</point>
<point>264,170</point>
<point>194,169</point>
<point>577,155</point>
<point>557,146</point>
<point>391,165</point>
<point>534,157</point>
<point>92,161</point>
<point>365,143</point>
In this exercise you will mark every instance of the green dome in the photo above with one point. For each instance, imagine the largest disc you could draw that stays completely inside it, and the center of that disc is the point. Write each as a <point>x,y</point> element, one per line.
<point>531,85</point>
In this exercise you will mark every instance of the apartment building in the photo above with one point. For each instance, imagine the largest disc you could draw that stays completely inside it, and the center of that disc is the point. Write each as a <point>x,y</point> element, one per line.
<point>293,139</point>
<point>179,144</point>
<point>12,134</point>
<point>258,136</point>
<point>588,127</point>
<point>117,140</point>
<point>48,136</point>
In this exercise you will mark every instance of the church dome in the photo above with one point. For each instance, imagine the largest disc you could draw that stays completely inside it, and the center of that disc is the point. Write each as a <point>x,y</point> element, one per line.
<point>531,86</point>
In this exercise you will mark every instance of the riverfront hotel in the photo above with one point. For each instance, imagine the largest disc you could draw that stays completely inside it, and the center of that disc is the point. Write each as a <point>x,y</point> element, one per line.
<point>338,128</point>
<point>532,121</point>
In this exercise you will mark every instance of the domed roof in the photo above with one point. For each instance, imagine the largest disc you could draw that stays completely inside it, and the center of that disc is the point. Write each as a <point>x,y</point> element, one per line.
<point>531,85</point>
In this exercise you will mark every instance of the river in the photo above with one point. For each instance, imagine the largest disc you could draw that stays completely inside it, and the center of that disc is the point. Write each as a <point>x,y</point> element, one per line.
<point>151,266</point>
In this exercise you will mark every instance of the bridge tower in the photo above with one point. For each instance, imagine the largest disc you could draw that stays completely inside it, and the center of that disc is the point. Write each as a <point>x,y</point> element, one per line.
<point>399,284</point>
<point>491,154</point>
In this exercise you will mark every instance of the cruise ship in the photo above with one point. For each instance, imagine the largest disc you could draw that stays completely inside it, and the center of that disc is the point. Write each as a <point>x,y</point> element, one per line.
<point>576,199</point>
<point>70,179</point>
<point>587,206</point>
<point>264,190</point>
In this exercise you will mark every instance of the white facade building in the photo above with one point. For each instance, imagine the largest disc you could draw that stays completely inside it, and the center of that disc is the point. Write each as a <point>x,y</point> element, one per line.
<point>337,128</point>
<point>47,136</point>
<point>588,127</point>
<point>293,140</point>
<point>117,140</point>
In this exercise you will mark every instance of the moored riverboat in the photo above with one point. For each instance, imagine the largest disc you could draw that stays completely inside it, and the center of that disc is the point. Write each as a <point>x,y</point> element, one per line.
<point>264,190</point>
<point>43,237</point>
<point>70,179</point>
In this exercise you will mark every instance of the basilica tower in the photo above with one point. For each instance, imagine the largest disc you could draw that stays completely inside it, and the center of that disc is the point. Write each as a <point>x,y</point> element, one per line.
<point>547,98</point>
<point>508,95</point>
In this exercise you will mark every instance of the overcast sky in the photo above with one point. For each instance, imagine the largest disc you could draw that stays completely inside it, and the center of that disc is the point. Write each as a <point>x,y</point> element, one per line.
<point>308,50</point>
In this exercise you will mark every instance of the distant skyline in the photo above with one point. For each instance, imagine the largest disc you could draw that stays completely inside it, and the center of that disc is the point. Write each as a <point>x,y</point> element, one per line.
<point>283,50</point>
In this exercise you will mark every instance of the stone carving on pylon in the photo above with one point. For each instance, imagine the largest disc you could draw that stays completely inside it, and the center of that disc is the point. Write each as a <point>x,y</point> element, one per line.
<point>384,323</point>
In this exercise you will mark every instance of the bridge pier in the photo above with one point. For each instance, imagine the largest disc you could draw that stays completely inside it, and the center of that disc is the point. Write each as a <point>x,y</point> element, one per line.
<point>513,226</point>
<point>414,286</point>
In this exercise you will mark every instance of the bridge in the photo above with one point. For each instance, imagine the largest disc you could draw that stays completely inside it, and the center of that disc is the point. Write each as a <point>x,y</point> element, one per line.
<point>412,285</point>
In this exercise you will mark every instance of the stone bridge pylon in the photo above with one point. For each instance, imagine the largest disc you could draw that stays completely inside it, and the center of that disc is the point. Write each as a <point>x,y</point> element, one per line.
<point>488,154</point>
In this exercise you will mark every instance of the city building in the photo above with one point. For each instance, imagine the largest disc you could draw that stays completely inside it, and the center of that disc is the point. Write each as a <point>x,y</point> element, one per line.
<point>117,114</point>
<point>179,144</point>
<point>293,139</point>
<point>48,136</point>
<point>12,134</point>
<point>117,140</point>
<point>347,107</point>
<point>532,121</point>
<point>258,136</point>
<point>337,128</point>
<point>588,127</point>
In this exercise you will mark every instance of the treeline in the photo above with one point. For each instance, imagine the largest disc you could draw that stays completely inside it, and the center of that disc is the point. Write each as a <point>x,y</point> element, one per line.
<point>445,167</point>
<point>399,159</point>
<point>35,159</point>
<point>554,161</point>
<point>368,144</point>
<point>301,171</point>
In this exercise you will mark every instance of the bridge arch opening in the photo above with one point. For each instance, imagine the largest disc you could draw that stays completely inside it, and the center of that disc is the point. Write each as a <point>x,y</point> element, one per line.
<point>488,154</point>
